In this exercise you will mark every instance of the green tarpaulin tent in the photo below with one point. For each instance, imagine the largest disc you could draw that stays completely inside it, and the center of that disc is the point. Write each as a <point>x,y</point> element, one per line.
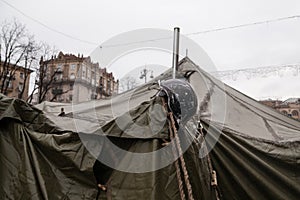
<point>254,150</point>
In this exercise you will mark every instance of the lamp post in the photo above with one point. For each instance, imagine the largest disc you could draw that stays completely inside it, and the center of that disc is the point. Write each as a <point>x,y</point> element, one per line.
<point>144,74</point>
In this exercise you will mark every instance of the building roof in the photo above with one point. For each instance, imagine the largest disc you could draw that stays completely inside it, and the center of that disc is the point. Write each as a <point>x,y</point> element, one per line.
<point>18,66</point>
<point>63,57</point>
<point>292,100</point>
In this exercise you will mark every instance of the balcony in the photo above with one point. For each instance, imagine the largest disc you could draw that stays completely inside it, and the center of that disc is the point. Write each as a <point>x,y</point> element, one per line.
<point>57,91</point>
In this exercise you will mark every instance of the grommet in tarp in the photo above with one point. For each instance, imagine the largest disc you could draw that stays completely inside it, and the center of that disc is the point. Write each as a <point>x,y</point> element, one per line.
<point>214,178</point>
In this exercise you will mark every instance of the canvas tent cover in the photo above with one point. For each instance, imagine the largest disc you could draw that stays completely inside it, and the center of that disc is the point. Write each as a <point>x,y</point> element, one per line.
<point>255,150</point>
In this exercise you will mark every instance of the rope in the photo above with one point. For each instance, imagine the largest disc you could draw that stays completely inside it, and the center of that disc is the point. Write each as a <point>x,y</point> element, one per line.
<point>185,172</point>
<point>214,183</point>
<point>177,167</point>
<point>174,135</point>
<point>179,178</point>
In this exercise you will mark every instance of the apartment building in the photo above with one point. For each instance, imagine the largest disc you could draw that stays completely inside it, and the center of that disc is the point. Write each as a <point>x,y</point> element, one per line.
<point>15,80</point>
<point>289,107</point>
<point>76,79</point>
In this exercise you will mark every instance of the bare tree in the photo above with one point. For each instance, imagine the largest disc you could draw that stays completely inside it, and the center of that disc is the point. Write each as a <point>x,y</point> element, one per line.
<point>128,83</point>
<point>29,64</point>
<point>46,77</point>
<point>43,79</point>
<point>16,45</point>
<point>20,51</point>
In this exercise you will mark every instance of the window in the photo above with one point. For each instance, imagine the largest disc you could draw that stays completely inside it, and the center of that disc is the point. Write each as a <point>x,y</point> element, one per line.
<point>59,67</point>
<point>97,79</point>
<point>58,77</point>
<point>71,97</point>
<point>21,75</point>
<point>284,112</point>
<point>58,98</point>
<point>73,66</point>
<point>21,85</point>
<point>295,113</point>
<point>109,86</point>
<point>72,76</point>
<point>9,83</point>
<point>71,86</point>
<point>88,74</point>
<point>93,96</point>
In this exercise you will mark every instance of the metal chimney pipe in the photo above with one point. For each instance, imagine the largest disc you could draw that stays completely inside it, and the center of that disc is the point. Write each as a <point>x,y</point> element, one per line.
<point>175,51</point>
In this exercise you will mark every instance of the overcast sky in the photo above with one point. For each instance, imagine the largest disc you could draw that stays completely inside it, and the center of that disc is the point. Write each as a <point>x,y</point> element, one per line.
<point>254,46</point>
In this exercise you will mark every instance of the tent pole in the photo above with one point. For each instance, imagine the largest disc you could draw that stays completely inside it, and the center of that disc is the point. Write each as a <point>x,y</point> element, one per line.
<point>175,51</point>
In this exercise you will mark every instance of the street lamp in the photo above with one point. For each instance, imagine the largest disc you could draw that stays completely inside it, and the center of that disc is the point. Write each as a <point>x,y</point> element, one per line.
<point>144,74</point>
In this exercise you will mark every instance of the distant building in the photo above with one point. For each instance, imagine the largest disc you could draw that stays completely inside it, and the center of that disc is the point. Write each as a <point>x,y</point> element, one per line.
<point>289,107</point>
<point>19,80</point>
<point>271,103</point>
<point>76,79</point>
